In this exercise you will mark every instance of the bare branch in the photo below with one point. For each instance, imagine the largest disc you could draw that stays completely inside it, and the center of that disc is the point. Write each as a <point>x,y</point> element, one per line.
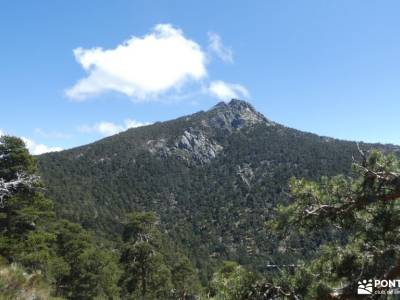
<point>10,188</point>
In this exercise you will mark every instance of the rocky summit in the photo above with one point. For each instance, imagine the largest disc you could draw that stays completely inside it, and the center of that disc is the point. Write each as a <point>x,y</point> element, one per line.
<point>235,115</point>
<point>198,142</point>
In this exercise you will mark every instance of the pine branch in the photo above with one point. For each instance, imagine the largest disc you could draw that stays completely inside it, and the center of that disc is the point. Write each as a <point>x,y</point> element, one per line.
<point>11,187</point>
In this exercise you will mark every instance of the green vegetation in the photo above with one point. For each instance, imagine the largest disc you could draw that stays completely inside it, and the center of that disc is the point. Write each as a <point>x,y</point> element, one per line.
<point>86,271</point>
<point>233,281</point>
<point>46,257</point>
<point>59,253</point>
<point>213,210</point>
<point>134,222</point>
<point>364,212</point>
<point>151,270</point>
<point>16,283</point>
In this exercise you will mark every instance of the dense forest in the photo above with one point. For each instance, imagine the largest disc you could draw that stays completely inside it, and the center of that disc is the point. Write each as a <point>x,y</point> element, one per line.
<point>213,178</point>
<point>45,257</point>
<point>223,205</point>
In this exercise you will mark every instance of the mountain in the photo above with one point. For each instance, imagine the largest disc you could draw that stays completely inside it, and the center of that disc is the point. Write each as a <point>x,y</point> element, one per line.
<point>213,178</point>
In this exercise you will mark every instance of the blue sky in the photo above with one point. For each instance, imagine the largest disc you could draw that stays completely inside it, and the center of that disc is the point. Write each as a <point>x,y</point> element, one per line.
<point>74,71</point>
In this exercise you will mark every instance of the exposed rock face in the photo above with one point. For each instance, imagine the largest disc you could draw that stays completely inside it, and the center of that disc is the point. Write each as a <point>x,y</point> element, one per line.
<point>235,115</point>
<point>192,145</point>
<point>197,143</point>
<point>245,173</point>
<point>155,146</point>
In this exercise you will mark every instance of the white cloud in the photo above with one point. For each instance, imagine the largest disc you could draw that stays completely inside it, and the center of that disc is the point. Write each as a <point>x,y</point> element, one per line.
<point>216,46</point>
<point>36,149</point>
<point>141,67</point>
<point>109,128</point>
<point>227,91</point>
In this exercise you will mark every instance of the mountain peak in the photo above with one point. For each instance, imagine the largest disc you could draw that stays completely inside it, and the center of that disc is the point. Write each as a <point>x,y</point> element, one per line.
<point>235,115</point>
<point>196,140</point>
<point>235,104</point>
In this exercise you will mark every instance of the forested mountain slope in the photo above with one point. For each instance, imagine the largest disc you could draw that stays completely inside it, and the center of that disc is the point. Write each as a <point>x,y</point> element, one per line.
<point>213,178</point>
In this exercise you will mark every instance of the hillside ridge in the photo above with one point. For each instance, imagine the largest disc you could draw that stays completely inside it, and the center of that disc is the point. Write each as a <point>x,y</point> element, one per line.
<point>213,178</point>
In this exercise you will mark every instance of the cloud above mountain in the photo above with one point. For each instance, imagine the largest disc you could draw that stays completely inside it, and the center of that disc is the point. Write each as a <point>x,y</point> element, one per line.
<point>37,148</point>
<point>226,91</point>
<point>216,46</point>
<point>163,62</point>
<point>109,128</point>
<point>34,147</point>
<point>141,67</point>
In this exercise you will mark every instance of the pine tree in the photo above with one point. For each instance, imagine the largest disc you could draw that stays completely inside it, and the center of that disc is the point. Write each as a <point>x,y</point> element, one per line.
<point>146,276</point>
<point>25,214</point>
<point>90,271</point>
<point>185,279</point>
<point>233,282</point>
<point>364,213</point>
<point>61,252</point>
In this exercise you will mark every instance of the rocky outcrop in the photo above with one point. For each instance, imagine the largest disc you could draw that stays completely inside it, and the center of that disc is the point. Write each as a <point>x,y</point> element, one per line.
<point>197,142</point>
<point>235,115</point>
<point>245,173</point>
<point>192,145</point>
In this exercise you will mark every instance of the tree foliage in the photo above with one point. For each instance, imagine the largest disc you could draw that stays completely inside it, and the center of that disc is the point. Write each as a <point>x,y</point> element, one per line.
<point>233,282</point>
<point>215,211</point>
<point>31,236</point>
<point>147,274</point>
<point>88,272</point>
<point>75,263</point>
<point>363,210</point>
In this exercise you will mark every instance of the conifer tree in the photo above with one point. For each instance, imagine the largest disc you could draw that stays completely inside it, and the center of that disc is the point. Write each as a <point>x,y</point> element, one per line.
<point>62,252</point>
<point>146,276</point>
<point>363,211</point>
<point>25,214</point>
<point>90,272</point>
